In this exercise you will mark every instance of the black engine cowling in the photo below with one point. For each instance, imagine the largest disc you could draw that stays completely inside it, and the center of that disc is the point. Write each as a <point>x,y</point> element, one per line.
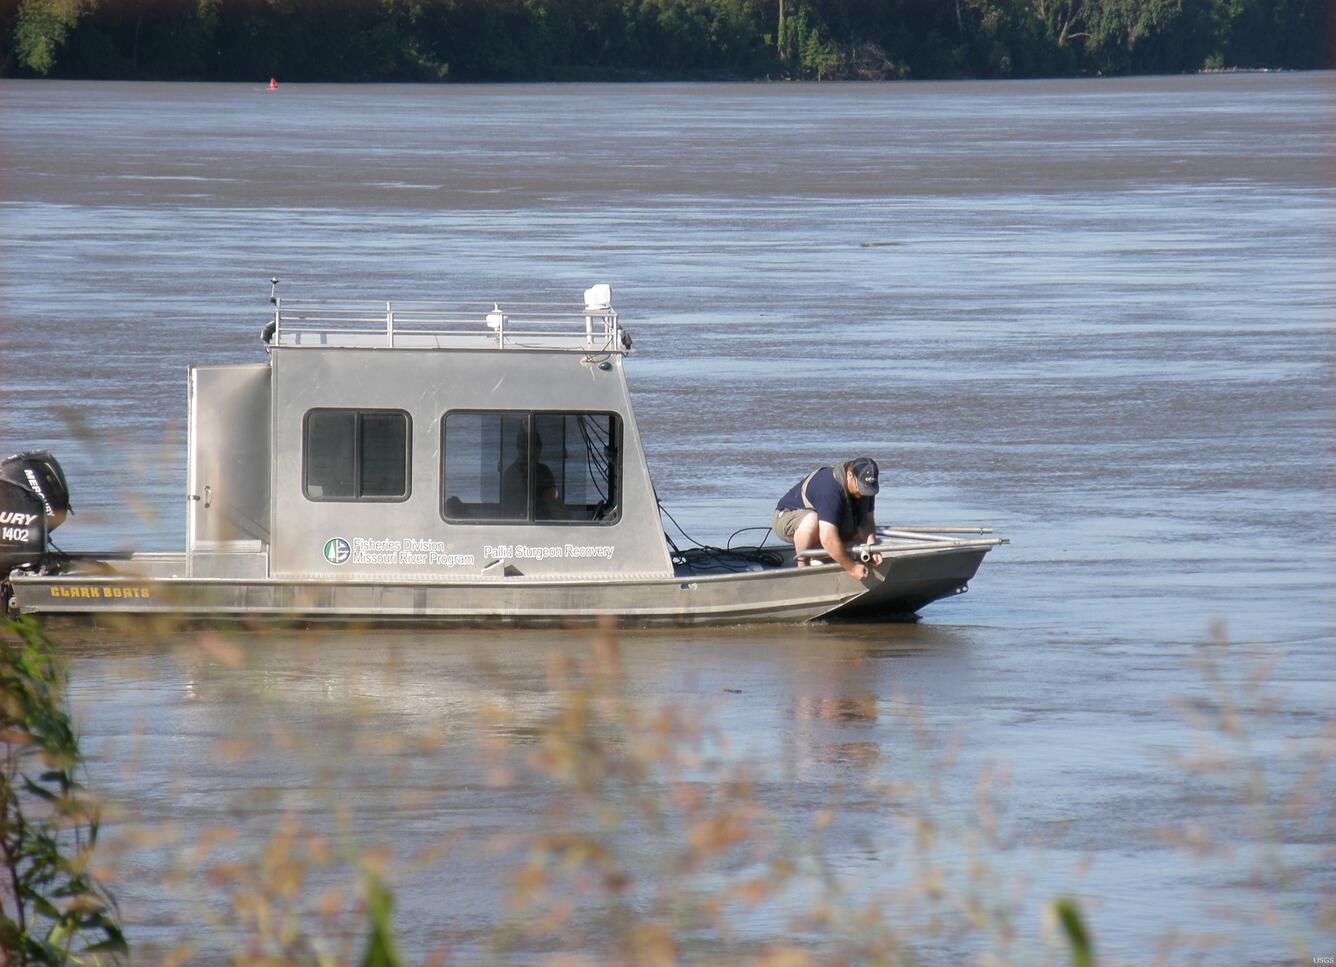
<point>34,500</point>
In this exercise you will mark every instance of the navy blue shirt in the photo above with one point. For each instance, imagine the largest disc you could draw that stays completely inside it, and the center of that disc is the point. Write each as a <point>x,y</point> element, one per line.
<point>831,502</point>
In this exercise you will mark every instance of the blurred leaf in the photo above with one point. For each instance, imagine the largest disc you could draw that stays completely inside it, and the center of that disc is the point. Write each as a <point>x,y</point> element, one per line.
<point>1074,929</point>
<point>48,824</point>
<point>380,950</point>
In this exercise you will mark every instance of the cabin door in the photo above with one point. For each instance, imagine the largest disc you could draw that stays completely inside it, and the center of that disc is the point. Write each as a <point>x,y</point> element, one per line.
<point>228,472</point>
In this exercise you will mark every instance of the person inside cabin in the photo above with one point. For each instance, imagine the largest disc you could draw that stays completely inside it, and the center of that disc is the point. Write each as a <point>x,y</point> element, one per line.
<point>829,508</point>
<point>546,495</point>
<point>515,480</point>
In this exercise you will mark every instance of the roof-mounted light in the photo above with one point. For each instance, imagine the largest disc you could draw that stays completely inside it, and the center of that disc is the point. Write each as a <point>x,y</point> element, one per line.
<point>598,298</point>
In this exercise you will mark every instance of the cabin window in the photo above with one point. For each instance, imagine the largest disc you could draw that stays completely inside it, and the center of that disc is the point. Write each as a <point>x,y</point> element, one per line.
<point>356,455</point>
<point>541,467</point>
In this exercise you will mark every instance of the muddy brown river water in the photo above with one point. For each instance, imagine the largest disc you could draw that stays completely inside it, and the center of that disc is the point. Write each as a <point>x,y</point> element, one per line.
<point>1096,315</point>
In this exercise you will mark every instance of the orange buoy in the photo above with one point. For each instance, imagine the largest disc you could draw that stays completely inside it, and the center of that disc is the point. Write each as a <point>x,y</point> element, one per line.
<point>273,84</point>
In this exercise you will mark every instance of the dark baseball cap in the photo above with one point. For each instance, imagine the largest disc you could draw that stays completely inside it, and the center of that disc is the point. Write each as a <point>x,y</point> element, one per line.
<point>865,473</point>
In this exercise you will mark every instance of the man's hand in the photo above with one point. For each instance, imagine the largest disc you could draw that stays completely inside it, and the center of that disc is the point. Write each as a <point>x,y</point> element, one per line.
<point>830,540</point>
<point>876,556</point>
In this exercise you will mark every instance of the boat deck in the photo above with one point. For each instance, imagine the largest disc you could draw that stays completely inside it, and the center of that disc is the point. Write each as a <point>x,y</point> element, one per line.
<point>756,585</point>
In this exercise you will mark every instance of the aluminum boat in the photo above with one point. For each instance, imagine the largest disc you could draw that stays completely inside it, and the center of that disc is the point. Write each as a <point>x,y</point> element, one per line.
<point>444,462</point>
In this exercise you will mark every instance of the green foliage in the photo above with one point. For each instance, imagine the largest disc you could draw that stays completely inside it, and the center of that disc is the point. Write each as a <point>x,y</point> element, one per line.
<point>380,950</point>
<point>806,37</point>
<point>431,40</point>
<point>40,31</point>
<point>1075,932</point>
<point>52,911</point>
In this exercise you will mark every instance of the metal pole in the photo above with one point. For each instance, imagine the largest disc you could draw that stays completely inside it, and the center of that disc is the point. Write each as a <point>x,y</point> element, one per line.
<point>923,535</point>
<point>856,551</point>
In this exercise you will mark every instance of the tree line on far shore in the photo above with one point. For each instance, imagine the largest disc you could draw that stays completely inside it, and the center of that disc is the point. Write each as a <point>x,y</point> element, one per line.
<point>527,40</point>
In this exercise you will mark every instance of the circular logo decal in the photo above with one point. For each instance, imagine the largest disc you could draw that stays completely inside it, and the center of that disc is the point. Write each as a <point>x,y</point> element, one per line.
<point>337,550</point>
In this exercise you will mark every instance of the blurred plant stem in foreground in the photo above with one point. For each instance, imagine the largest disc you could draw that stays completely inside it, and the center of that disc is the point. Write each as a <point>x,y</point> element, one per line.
<point>674,842</point>
<point>1268,792</point>
<point>53,910</point>
<point>620,829</point>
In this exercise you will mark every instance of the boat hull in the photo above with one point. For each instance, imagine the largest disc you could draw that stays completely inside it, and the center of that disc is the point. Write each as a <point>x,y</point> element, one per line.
<point>896,589</point>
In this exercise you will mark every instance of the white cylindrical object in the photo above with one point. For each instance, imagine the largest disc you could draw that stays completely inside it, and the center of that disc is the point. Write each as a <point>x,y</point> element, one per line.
<point>598,297</point>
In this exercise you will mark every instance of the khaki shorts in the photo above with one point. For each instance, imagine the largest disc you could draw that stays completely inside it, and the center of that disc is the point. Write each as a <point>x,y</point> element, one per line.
<point>786,522</point>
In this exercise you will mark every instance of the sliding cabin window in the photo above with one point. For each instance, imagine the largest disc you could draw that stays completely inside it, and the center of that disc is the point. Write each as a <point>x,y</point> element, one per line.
<point>356,455</point>
<point>503,465</point>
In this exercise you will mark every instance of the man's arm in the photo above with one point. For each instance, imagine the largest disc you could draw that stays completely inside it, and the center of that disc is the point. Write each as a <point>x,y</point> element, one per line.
<point>830,540</point>
<point>867,529</point>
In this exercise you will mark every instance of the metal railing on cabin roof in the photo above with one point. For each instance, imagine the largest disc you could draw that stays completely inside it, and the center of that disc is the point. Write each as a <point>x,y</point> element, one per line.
<point>448,325</point>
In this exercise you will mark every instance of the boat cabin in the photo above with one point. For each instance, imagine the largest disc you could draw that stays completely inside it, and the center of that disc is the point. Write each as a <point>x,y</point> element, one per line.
<point>423,441</point>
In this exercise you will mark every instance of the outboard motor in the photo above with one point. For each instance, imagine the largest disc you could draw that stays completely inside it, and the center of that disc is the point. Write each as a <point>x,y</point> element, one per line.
<point>34,500</point>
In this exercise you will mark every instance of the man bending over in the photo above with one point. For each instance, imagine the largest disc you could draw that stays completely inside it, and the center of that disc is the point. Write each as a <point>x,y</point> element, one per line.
<point>831,507</point>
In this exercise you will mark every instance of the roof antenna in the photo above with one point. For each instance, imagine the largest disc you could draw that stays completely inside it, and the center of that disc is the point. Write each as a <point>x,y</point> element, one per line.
<point>273,290</point>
